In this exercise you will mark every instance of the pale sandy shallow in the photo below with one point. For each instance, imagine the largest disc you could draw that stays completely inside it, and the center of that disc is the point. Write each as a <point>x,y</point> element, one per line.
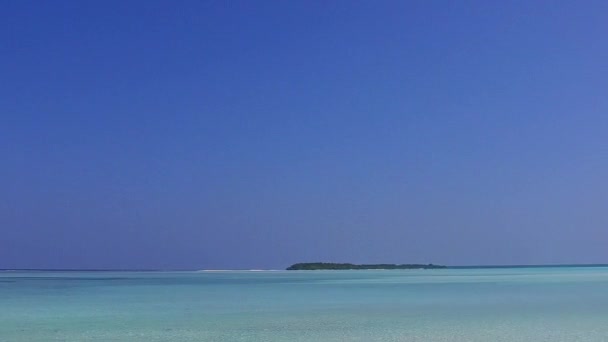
<point>569,304</point>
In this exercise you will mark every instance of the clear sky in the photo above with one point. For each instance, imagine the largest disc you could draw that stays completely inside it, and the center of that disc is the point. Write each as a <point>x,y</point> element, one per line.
<point>256,134</point>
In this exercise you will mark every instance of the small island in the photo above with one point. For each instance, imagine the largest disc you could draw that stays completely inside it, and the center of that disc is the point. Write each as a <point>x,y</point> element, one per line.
<point>312,266</point>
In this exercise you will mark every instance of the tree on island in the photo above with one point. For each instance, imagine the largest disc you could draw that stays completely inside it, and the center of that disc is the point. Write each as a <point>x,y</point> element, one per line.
<point>311,266</point>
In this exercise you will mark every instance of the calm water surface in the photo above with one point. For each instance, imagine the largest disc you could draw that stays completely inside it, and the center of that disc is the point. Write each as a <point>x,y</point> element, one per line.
<point>539,304</point>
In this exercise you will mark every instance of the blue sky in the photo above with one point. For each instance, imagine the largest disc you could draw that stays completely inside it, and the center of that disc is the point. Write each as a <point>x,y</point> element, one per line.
<point>213,134</point>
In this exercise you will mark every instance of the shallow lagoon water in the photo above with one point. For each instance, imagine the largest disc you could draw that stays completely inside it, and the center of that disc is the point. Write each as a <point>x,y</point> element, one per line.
<point>518,304</point>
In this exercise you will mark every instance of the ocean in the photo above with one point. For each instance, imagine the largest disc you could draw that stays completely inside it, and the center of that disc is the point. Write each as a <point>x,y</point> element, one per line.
<point>501,304</point>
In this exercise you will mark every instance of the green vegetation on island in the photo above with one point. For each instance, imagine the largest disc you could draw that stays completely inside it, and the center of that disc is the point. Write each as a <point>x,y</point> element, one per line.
<point>311,266</point>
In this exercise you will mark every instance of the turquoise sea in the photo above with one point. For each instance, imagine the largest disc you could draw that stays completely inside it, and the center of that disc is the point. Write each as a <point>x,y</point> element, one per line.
<point>507,304</point>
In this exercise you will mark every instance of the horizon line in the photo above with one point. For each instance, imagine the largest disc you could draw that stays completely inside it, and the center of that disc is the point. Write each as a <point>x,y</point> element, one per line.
<point>261,269</point>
